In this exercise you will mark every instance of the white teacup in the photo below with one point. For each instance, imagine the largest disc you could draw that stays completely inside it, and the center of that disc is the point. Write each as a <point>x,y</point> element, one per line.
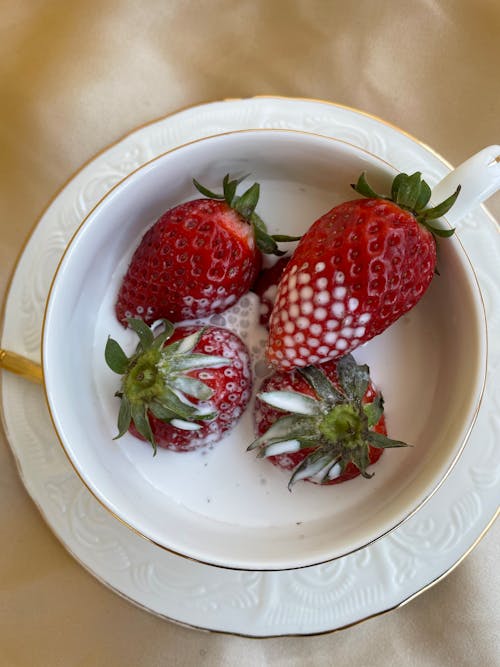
<point>223,506</point>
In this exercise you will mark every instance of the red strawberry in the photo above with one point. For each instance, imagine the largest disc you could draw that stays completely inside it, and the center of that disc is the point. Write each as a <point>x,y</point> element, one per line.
<point>358,269</point>
<point>266,287</point>
<point>199,258</point>
<point>325,423</point>
<point>183,395</point>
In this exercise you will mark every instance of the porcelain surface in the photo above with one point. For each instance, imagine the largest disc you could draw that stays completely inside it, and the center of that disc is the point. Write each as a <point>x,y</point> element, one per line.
<point>317,599</point>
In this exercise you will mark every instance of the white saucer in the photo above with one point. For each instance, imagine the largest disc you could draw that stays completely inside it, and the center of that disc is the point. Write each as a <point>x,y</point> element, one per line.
<point>308,601</point>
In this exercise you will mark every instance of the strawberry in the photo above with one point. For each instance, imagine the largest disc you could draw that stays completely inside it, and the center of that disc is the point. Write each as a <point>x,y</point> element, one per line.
<point>358,269</point>
<point>266,288</point>
<point>324,423</point>
<point>198,258</point>
<point>183,395</point>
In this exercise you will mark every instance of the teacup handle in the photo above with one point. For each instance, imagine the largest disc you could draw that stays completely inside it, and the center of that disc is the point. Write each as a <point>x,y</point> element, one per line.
<point>479,177</point>
<point>21,366</point>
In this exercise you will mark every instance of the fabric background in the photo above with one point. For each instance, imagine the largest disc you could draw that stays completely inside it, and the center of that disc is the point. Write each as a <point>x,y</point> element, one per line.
<point>76,76</point>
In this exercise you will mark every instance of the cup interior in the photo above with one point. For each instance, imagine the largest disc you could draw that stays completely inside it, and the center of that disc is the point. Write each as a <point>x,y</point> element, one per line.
<point>222,506</point>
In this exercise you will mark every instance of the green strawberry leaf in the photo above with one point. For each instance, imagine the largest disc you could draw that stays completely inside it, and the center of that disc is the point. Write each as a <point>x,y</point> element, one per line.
<point>396,184</point>
<point>362,188</point>
<point>291,401</point>
<point>284,238</point>
<point>246,203</point>
<point>115,357</point>
<point>192,387</point>
<point>423,197</point>
<point>124,417</point>
<point>206,192</point>
<point>266,242</point>
<point>268,245</point>
<point>442,208</point>
<point>161,412</point>
<point>258,223</point>
<point>160,340</point>
<point>324,388</point>
<point>383,442</point>
<point>288,427</point>
<point>325,477</point>
<point>285,446</point>
<point>141,423</point>
<point>374,410</point>
<point>178,404</point>
<point>187,344</point>
<point>196,361</point>
<point>311,465</point>
<point>229,188</point>
<point>439,231</point>
<point>362,462</point>
<point>353,378</point>
<point>406,189</point>
<point>146,336</point>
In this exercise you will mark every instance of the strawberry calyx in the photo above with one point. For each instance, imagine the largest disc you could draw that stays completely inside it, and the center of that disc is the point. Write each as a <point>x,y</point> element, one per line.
<point>245,205</point>
<point>336,424</point>
<point>412,193</point>
<point>156,380</point>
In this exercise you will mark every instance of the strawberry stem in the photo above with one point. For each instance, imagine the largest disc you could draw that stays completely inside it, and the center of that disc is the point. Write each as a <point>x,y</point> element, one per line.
<point>412,194</point>
<point>335,424</point>
<point>155,380</point>
<point>245,206</point>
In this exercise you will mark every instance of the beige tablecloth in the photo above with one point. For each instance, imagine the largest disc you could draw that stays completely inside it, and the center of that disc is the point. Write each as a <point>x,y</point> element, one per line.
<point>74,77</point>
